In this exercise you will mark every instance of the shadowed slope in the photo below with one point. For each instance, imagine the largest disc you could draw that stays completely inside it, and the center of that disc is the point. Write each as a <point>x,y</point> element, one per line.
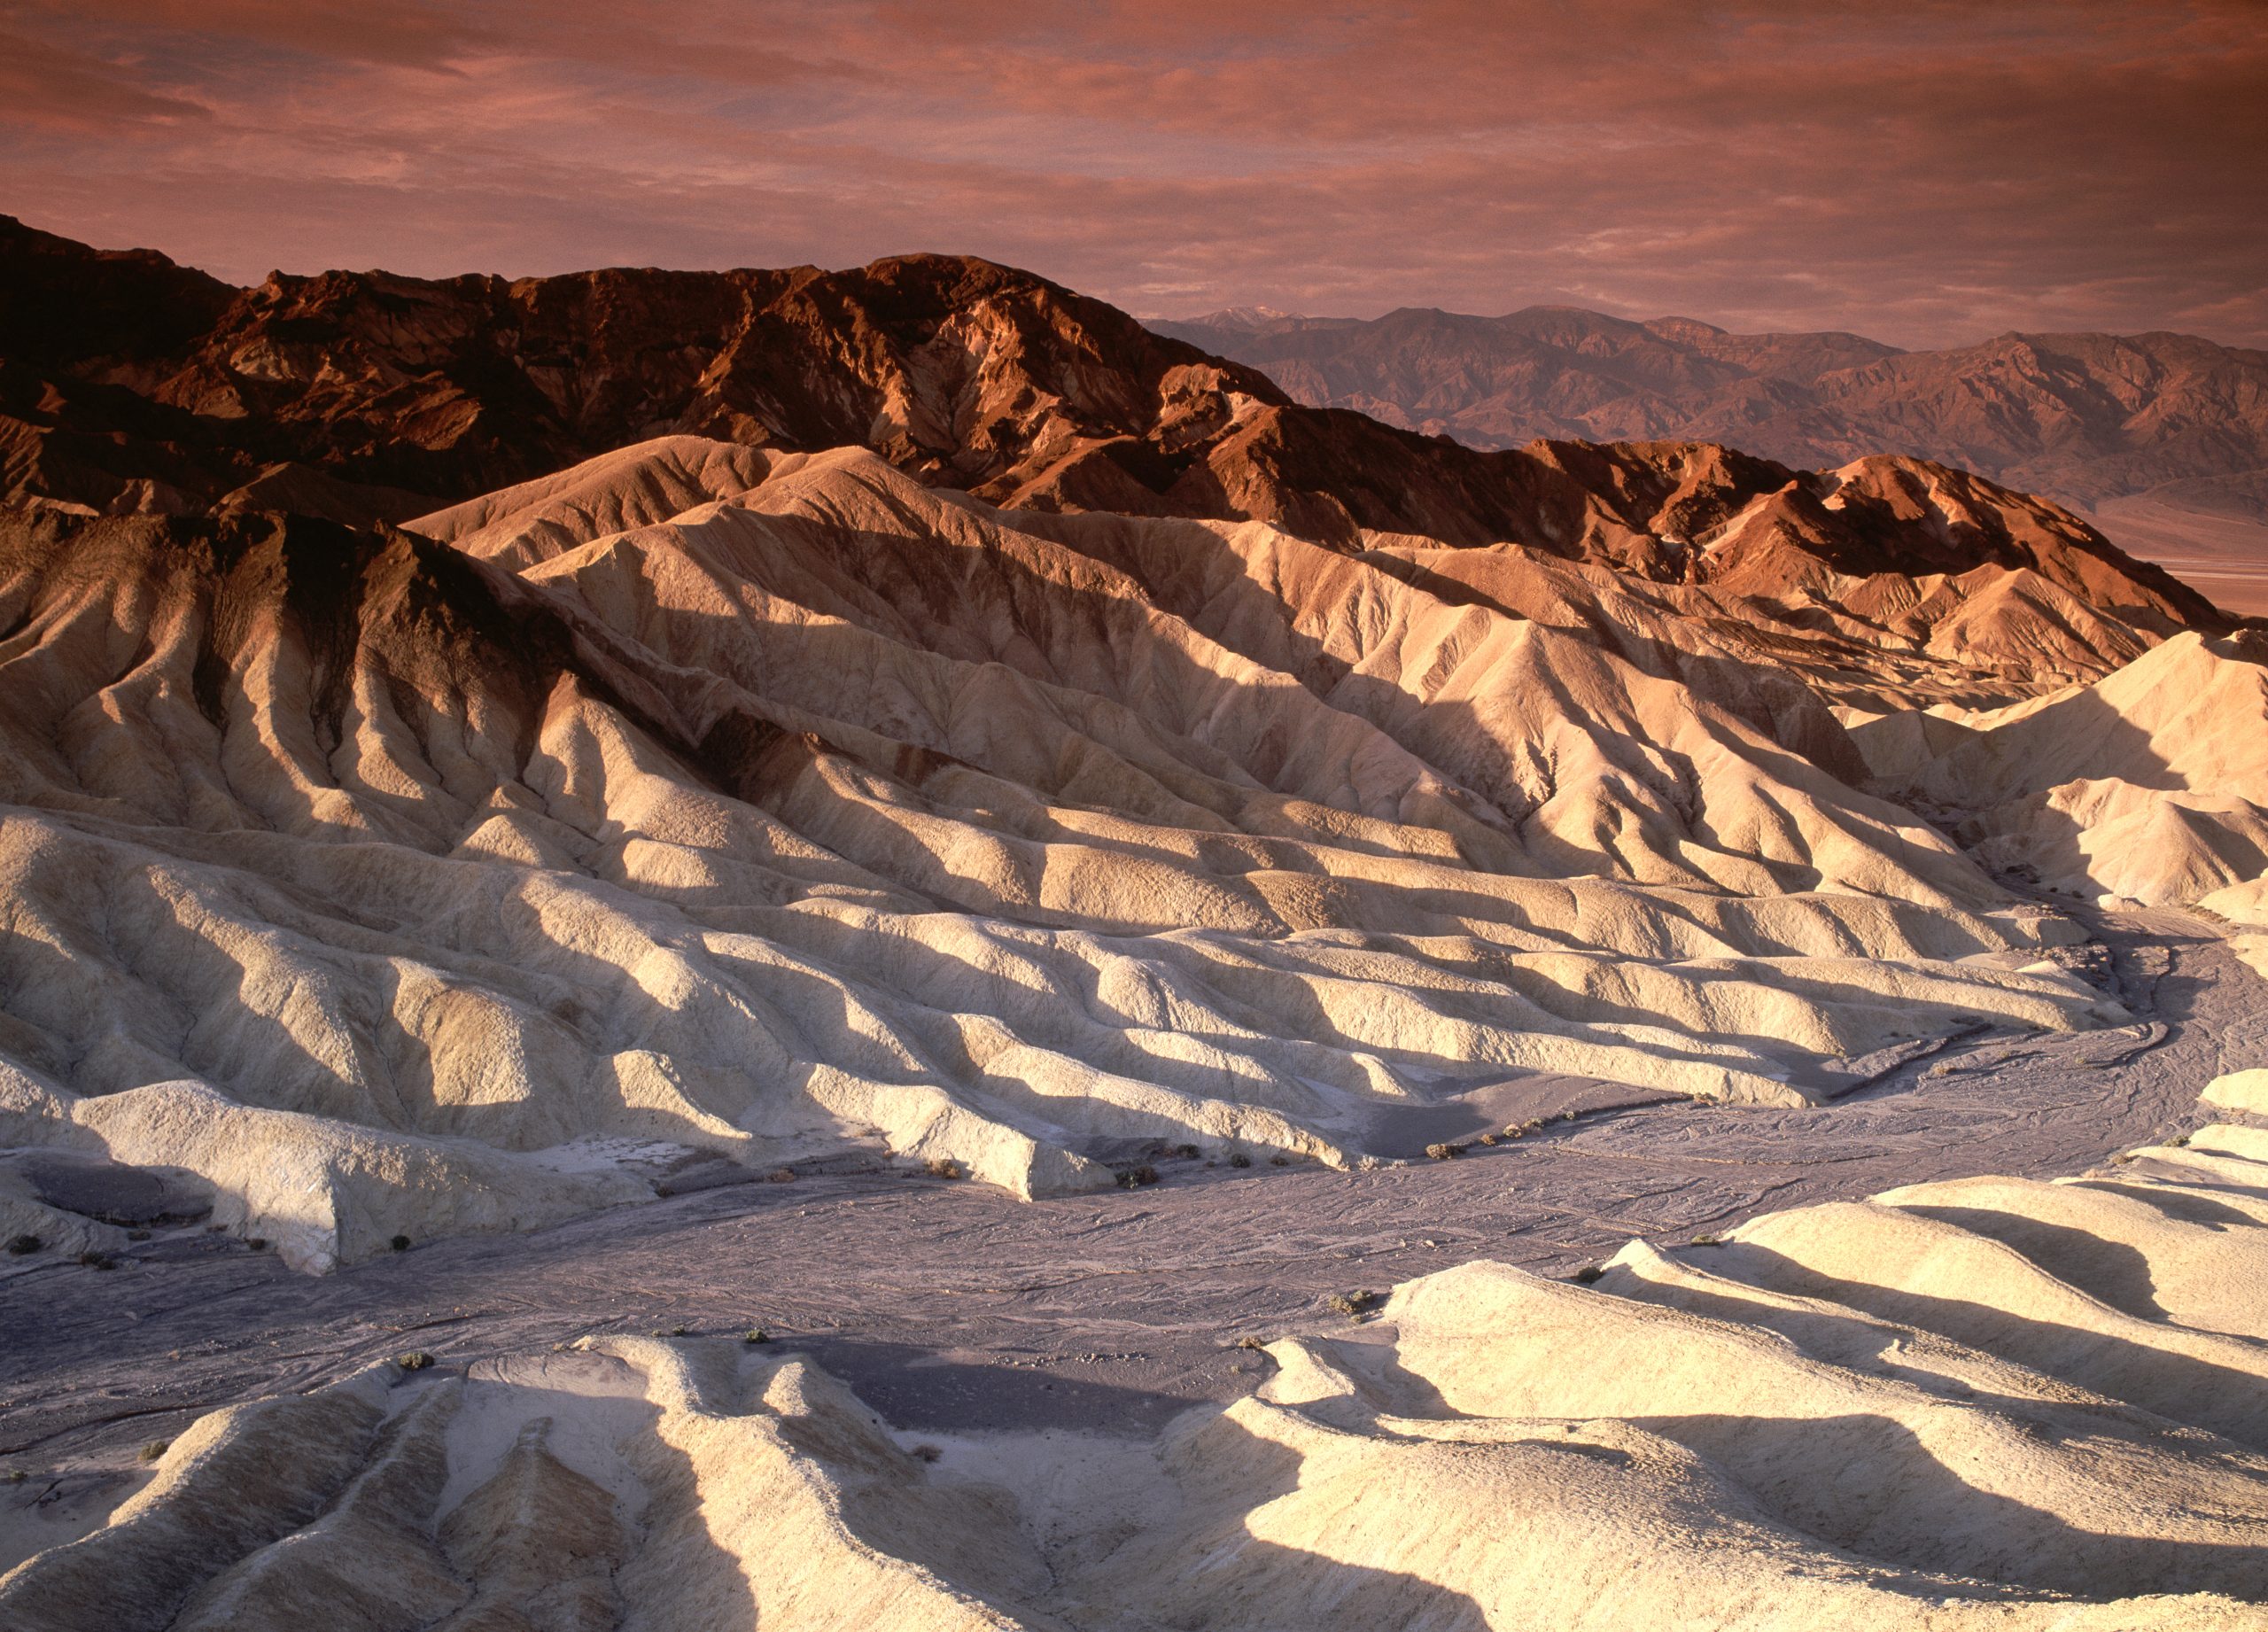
<point>2149,785</point>
<point>832,810</point>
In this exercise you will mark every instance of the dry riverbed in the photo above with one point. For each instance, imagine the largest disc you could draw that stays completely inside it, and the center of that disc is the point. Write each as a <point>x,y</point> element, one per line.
<point>953,1307</point>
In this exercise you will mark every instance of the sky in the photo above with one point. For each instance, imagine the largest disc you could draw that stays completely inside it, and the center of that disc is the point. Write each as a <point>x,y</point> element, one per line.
<point>1926,173</point>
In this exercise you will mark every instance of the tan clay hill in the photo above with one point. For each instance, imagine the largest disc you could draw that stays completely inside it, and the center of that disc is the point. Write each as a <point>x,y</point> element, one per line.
<point>1987,1403</point>
<point>705,799</point>
<point>2143,786</point>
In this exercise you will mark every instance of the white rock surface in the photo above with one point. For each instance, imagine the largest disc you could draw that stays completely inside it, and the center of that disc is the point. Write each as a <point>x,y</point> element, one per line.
<point>1989,1403</point>
<point>778,806</point>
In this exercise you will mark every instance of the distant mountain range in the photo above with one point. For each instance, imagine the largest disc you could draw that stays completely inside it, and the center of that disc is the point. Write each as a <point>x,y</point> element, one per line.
<point>2163,437</point>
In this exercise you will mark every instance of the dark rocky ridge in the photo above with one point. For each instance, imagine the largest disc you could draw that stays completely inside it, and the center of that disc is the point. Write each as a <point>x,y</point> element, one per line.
<point>129,384</point>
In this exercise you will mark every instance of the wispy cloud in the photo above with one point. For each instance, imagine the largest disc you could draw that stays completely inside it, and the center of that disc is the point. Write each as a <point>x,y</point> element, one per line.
<point>1926,172</point>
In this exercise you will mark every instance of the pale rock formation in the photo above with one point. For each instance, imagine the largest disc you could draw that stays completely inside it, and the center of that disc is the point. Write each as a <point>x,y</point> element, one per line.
<point>2148,785</point>
<point>1989,1403</point>
<point>452,879</point>
<point>2239,1091</point>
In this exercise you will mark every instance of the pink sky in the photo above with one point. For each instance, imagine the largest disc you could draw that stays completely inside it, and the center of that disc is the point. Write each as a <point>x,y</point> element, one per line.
<point>1927,173</point>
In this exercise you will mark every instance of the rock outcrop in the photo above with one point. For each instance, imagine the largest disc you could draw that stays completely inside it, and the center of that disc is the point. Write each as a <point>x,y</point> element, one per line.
<point>130,384</point>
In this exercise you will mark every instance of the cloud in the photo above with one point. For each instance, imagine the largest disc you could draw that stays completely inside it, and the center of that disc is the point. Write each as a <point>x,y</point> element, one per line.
<point>47,89</point>
<point>1928,173</point>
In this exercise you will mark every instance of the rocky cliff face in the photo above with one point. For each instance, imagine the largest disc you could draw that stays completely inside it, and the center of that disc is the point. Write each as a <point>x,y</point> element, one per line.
<point>130,383</point>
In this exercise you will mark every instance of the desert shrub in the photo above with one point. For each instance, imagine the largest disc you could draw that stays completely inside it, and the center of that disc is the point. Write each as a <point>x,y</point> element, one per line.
<point>1134,1179</point>
<point>944,1166</point>
<point>21,1246</point>
<point>1353,1304</point>
<point>154,1450</point>
<point>1444,1151</point>
<point>401,1243</point>
<point>756,1335</point>
<point>1588,1273</point>
<point>98,1259</point>
<point>415,1360</point>
<point>1238,1158</point>
<point>780,1175</point>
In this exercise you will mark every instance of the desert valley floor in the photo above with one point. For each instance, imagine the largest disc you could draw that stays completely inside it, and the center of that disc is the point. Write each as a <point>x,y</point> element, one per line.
<point>1047,1342</point>
<point>949,1305</point>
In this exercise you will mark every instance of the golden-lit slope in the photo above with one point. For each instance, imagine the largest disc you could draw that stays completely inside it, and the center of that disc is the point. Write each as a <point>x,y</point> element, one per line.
<point>1990,1404</point>
<point>2150,784</point>
<point>833,810</point>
